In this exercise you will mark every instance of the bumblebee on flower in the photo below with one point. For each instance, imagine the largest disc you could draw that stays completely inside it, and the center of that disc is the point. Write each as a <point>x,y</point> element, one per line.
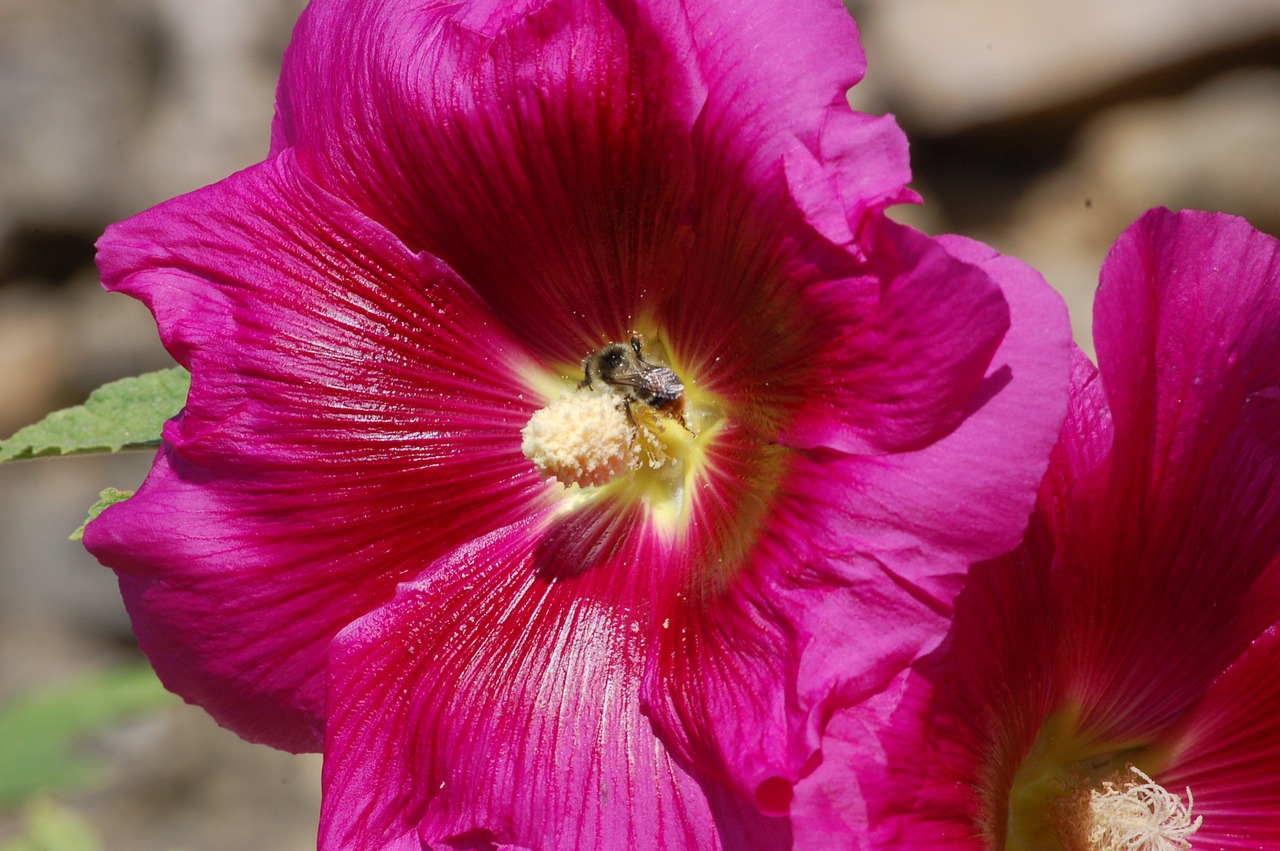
<point>590,439</point>
<point>623,368</point>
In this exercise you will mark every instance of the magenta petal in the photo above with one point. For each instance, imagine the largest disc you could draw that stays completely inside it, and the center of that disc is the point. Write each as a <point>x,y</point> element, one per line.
<point>592,167</point>
<point>1187,323</point>
<point>913,344</point>
<point>1188,335</point>
<point>1186,517</point>
<point>1228,750</point>
<point>744,686</point>
<point>494,702</point>
<point>868,156</point>
<point>294,489</point>
<point>1084,445</point>
<point>748,52</point>
<point>829,812</point>
<point>861,165</point>
<point>543,150</point>
<point>721,689</point>
<point>940,753</point>
<point>973,710</point>
<point>926,515</point>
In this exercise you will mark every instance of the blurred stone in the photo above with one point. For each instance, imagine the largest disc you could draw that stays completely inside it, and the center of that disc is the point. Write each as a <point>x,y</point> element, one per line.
<point>1213,149</point>
<point>38,650</point>
<point>58,345</point>
<point>944,66</point>
<point>74,79</point>
<point>108,108</point>
<point>177,780</point>
<point>108,336</point>
<point>33,358</point>
<point>212,105</point>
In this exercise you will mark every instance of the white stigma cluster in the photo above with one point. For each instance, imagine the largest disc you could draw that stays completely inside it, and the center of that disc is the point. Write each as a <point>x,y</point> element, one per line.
<point>1139,816</point>
<point>581,438</point>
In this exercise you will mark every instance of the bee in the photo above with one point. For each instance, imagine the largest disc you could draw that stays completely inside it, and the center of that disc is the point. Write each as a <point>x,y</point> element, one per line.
<point>622,368</point>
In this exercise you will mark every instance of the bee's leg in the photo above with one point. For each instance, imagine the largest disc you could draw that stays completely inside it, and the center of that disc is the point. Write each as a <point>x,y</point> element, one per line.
<point>675,410</point>
<point>626,404</point>
<point>635,344</point>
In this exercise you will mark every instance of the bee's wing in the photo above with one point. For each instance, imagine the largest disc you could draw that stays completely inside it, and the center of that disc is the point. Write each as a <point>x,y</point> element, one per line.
<point>665,383</point>
<point>631,376</point>
<point>656,381</point>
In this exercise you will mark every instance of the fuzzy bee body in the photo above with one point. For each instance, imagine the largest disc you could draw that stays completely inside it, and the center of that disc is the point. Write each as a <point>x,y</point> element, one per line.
<point>622,368</point>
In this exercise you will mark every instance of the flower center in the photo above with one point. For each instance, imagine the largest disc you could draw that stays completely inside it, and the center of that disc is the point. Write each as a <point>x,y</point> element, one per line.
<point>1070,794</point>
<point>631,427</point>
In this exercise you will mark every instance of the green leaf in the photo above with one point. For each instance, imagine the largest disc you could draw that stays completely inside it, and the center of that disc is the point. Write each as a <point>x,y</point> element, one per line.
<point>41,732</point>
<point>125,414</point>
<point>53,827</point>
<point>106,499</point>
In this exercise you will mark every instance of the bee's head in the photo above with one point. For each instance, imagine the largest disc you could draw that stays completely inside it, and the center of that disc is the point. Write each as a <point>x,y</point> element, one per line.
<point>611,359</point>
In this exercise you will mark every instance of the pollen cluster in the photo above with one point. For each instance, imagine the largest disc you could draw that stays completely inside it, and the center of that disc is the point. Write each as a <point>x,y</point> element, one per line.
<point>581,438</point>
<point>1140,814</point>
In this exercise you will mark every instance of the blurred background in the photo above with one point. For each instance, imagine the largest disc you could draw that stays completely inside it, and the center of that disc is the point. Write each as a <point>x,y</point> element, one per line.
<point>1039,126</point>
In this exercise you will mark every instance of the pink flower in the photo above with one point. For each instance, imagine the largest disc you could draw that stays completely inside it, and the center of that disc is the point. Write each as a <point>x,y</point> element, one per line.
<point>350,539</point>
<point>1116,676</point>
